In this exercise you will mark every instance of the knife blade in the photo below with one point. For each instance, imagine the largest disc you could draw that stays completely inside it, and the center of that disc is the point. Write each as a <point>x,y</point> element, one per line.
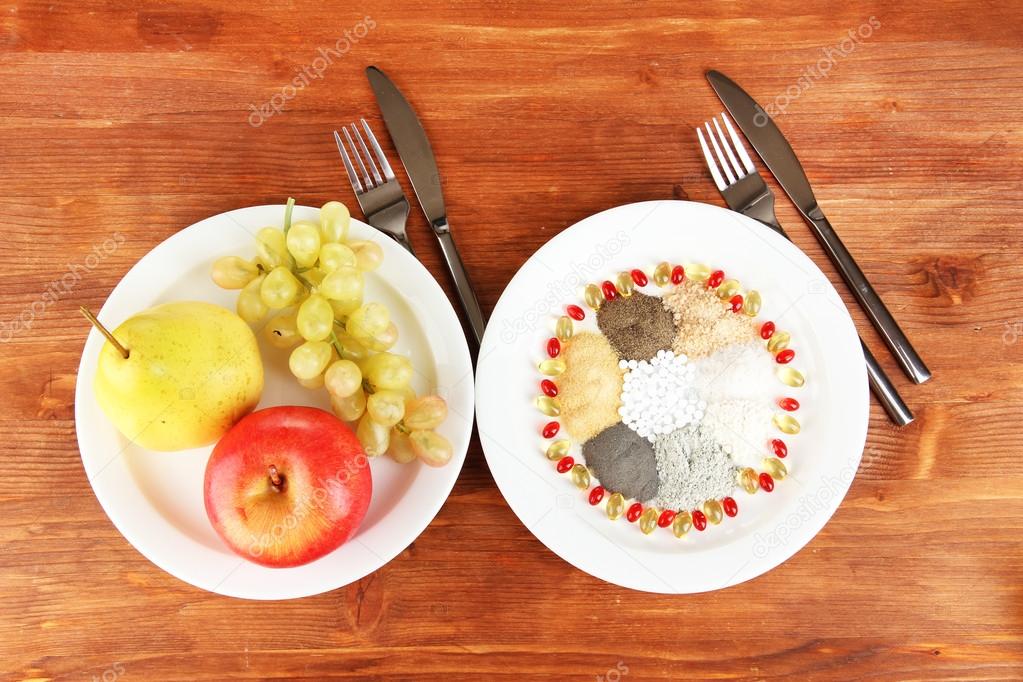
<point>416,155</point>
<point>777,154</point>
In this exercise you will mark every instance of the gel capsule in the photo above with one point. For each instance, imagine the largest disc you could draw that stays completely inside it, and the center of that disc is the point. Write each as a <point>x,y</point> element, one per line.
<point>748,480</point>
<point>625,284</point>
<point>790,376</point>
<point>713,511</point>
<point>699,520</point>
<point>786,423</point>
<point>662,274</point>
<point>554,346</point>
<point>682,524</point>
<point>564,328</point>
<point>788,404</point>
<point>548,405</point>
<point>592,296</point>
<point>698,271</point>
<point>678,274</point>
<point>615,506</point>
<point>753,303</point>
<point>638,277</point>
<point>778,341</point>
<point>635,510</point>
<point>552,367</point>
<point>779,447</point>
<point>558,449</point>
<point>575,312</point>
<point>728,288</point>
<point>581,476</point>
<point>766,482</point>
<point>736,303</point>
<point>776,468</point>
<point>550,429</point>
<point>648,520</point>
<point>565,464</point>
<point>715,279</point>
<point>609,291</point>
<point>549,388</point>
<point>596,495</point>
<point>767,330</point>
<point>730,506</point>
<point>785,357</point>
<point>666,518</point>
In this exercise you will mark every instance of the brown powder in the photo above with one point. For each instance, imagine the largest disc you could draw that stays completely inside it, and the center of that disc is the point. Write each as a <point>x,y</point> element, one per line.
<point>591,387</point>
<point>637,326</point>
<point>704,322</point>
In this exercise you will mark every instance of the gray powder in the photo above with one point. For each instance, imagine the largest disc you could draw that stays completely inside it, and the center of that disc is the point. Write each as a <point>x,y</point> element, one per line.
<point>623,462</point>
<point>692,468</point>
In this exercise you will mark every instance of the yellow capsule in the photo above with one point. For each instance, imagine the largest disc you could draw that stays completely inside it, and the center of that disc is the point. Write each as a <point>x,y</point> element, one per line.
<point>790,376</point>
<point>563,330</point>
<point>625,285</point>
<point>648,520</point>
<point>776,468</point>
<point>662,274</point>
<point>751,304</point>
<point>581,476</point>
<point>698,272</point>
<point>786,423</point>
<point>714,512</point>
<point>615,506</point>
<point>778,341</point>
<point>549,406</point>
<point>593,296</point>
<point>558,449</point>
<point>552,367</point>
<point>682,524</point>
<point>748,480</point>
<point>728,288</point>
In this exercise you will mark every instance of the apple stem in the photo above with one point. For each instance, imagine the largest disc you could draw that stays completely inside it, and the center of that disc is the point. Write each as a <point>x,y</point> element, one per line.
<point>276,480</point>
<point>103,330</point>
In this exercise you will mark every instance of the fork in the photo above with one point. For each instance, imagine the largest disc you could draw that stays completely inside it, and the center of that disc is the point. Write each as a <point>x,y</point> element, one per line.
<point>744,191</point>
<point>379,195</point>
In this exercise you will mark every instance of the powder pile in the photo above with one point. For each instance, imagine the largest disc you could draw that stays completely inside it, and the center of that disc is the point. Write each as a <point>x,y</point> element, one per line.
<point>589,391</point>
<point>743,372</point>
<point>623,462</point>
<point>658,396</point>
<point>704,322</point>
<point>692,468</point>
<point>742,427</point>
<point>637,326</point>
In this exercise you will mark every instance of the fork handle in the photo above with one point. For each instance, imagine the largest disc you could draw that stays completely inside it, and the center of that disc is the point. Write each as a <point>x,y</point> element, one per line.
<point>466,294</point>
<point>910,361</point>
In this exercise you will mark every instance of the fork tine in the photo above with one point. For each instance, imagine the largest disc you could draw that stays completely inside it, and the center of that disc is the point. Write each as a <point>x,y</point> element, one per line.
<point>369,157</point>
<point>740,148</point>
<point>728,150</point>
<point>711,164</point>
<point>358,159</point>
<point>353,177</point>
<point>384,165</point>
<point>721,157</point>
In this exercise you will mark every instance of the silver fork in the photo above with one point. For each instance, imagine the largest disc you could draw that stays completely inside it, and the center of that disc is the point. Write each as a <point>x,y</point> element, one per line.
<point>744,191</point>
<point>380,196</point>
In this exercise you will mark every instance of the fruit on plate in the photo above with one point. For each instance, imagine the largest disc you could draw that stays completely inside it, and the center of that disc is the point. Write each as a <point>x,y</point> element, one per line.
<point>309,277</point>
<point>178,375</point>
<point>287,485</point>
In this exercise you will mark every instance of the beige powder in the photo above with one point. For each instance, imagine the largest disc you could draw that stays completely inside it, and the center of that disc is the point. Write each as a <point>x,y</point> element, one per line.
<point>591,387</point>
<point>704,322</point>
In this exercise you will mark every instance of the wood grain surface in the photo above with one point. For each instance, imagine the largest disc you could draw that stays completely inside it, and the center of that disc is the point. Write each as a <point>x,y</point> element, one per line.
<point>138,120</point>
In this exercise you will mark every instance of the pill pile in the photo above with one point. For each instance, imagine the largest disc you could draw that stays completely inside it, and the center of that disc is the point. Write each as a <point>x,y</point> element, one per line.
<point>658,396</point>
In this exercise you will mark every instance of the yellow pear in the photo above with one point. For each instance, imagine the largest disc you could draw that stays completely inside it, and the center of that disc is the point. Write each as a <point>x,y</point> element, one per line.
<point>192,370</point>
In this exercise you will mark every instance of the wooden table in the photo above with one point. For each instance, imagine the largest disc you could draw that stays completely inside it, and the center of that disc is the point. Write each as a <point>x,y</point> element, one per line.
<point>139,121</point>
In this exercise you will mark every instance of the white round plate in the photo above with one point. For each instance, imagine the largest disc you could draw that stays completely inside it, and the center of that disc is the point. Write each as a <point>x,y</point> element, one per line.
<point>155,499</point>
<point>822,459</point>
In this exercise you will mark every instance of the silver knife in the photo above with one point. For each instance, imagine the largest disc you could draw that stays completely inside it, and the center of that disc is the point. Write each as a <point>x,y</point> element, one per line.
<point>777,154</point>
<point>417,156</point>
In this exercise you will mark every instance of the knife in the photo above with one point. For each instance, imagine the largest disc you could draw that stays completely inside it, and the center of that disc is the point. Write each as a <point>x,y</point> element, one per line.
<point>777,154</point>
<point>417,156</point>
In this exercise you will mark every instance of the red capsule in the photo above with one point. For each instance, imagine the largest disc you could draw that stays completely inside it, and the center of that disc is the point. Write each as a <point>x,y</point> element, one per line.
<point>788,404</point>
<point>785,356</point>
<point>736,302</point>
<point>551,429</point>
<point>575,312</point>
<point>766,482</point>
<point>767,330</point>
<point>549,388</point>
<point>665,519</point>
<point>635,511</point>
<point>678,274</point>
<point>597,494</point>
<point>553,347</point>
<point>731,508</point>
<point>781,451</point>
<point>699,519</point>
<point>610,293</point>
<point>639,277</point>
<point>715,279</point>
<point>565,464</point>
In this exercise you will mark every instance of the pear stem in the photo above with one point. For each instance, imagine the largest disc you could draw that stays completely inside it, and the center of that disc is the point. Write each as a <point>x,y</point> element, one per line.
<point>276,480</point>
<point>103,330</point>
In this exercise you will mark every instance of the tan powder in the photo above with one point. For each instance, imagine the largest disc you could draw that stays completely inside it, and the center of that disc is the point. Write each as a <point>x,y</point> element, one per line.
<point>590,389</point>
<point>704,322</point>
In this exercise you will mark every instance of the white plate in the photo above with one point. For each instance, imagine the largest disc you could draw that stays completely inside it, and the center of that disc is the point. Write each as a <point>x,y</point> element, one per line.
<point>156,499</point>
<point>822,459</point>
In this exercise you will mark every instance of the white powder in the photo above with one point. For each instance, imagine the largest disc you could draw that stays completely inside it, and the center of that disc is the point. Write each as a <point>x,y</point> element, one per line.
<point>693,468</point>
<point>742,427</point>
<point>744,371</point>
<point>658,396</point>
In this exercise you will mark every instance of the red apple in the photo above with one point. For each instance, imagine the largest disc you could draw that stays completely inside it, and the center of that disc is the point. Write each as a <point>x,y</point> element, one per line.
<point>287,485</point>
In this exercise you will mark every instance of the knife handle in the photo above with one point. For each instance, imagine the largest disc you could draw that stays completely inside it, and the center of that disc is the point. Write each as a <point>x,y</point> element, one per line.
<point>466,294</point>
<point>871,303</point>
<point>884,390</point>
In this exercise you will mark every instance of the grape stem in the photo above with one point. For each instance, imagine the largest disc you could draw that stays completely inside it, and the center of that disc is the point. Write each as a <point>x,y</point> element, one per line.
<point>104,331</point>
<point>287,214</point>
<point>334,341</point>
<point>276,480</point>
